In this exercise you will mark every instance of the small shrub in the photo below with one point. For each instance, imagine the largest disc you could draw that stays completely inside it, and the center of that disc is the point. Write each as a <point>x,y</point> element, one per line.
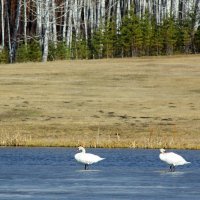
<point>4,56</point>
<point>61,51</point>
<point>22,54</point>
<point>34,51</point>
<point>51,52</point>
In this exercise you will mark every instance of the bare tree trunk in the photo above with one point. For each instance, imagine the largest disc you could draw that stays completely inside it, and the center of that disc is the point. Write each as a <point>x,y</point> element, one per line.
<point>12,46</point>
<point>69,30</point>
<point>2,25</point>
<point>39,20</point>
<point>110,5</point>
<point>46,31</point>
<point>91,17</point>
<point>25,23</point>
<point>118,17</point>
<point>85,7</point>
<point>103,13</point>
<point>197,14</point>
<point>65,20</point>
<point>195,22</point>
<point>8,32</point>
<point>14,43</point>
<point>54,23</point>
<point>76,19</point>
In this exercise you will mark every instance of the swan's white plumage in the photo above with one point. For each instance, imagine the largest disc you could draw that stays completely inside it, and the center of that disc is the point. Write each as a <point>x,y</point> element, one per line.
<point>172,158</point>
<point>87,158</point>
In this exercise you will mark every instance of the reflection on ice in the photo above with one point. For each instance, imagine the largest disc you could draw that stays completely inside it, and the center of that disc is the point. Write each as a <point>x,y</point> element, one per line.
<point>172,173</point>
<point>89,170</point>
<point>52,173</point>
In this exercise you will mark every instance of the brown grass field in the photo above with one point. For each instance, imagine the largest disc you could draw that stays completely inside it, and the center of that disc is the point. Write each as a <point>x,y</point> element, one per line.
<point>136,103</point>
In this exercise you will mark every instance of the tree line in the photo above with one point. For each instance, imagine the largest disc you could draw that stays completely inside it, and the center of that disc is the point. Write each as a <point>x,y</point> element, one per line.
<point>41,30</point>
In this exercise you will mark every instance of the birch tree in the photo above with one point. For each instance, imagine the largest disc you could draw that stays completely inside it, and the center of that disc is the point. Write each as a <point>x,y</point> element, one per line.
<point>79,23</point>
<point>54,24</point>
<point>2,25</point>
<point>25,22</point>
<point>8,31</point>
<point>16,28</point>
<point>39,19</point>
<point>66,9</point>
<point>46,30</point>
<point>69,30</point>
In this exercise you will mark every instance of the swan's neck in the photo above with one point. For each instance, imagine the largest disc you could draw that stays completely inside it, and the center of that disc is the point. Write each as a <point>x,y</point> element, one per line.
<point>82,150</point>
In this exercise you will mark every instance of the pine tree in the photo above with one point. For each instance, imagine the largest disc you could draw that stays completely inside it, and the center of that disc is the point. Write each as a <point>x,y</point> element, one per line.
<point>61,51</point>
<point>4,58</point>
<point>110,41</point>
<point>169,35</point>
<point>131,35</point>
<point>147,33</point>
<point>82,49</point>
<point>22,54</point>
<point>51,52</point>
<point>157,39</point>
<point>97,44</point>
<point>34,51</point>
<point>197,40</point>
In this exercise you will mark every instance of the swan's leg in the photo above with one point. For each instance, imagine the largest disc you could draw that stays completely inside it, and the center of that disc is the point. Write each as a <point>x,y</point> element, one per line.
<point>86,166</point>
<point>172,168</point>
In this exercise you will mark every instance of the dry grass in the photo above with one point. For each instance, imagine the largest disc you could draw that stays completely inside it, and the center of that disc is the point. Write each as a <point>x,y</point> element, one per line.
<point>140,102</point>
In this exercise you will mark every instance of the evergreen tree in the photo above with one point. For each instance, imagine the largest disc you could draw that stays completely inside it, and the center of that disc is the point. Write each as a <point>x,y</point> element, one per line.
<point>183,43</point>
<point>131,35</point>
<point>157,39</point>
<point>186,39</point>
<point>110,42</point>
<point>97,44</point>
<point>82,49</point>
<point>169,35</point>
<point>51,52</point>
<point>22,54</point>
<point>61,51</point>
<point>197,40</point>
<point>34,51</point>
<point>4,56</point>
<point>147,34</point>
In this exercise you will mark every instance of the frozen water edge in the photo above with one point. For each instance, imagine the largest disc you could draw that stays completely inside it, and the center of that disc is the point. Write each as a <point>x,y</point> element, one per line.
<point>52,173</point>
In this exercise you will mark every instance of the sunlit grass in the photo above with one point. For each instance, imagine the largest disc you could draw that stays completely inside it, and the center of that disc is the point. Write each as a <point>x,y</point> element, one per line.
<point>132,103</point>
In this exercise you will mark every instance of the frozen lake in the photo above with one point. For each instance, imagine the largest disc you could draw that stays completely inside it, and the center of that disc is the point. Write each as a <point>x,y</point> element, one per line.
<point>53,174</point>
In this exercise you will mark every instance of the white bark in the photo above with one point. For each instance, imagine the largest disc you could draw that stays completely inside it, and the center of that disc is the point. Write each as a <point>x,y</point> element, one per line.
<point>197,13</point>
<point>98,5</point>
<point>69,30</point>
<point>110,5</point>
<point>8,32</point>
<point>39,11</point>
<point>2,25</point>
<point>91,17</point>
<point>54,23</point>
<point>103,13</point>
<point>25,22</point>
<point>86,19</point>
<point>65,20</point>
<point>118,17</point>
<point>83,17</point>
<point>46,31</point>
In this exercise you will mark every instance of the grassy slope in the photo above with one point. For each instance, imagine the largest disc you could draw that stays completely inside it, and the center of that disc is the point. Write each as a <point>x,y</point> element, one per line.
<point>140,102</point>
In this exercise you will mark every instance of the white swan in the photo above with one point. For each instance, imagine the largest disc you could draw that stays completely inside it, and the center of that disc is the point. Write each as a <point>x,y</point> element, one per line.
<point>172,159</point>
<point>86,158</point>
